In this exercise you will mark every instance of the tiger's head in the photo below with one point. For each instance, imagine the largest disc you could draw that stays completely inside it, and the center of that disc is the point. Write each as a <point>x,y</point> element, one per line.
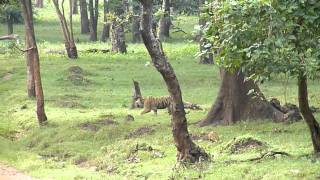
<point>139,103</point>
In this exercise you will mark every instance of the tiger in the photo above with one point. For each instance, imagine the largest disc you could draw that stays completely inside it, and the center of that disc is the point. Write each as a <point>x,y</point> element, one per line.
<point>154,103</point>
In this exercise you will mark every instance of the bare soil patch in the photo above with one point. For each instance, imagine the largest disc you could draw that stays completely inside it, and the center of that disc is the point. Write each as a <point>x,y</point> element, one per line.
<point>10,173</point>
<point>140,131</point>
<point>95,126</point>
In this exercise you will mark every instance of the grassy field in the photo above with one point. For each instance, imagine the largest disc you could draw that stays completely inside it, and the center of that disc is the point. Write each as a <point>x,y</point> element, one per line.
<point>88,136</point>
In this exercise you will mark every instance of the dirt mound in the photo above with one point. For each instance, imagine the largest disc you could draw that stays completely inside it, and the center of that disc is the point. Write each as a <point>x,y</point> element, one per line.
<point>95,126</point>
<point>139,132</point>
<point>8,173</point>
<point>75,70</point>
<point>242,144</point>
<point>76,76</point>
<point>211,136</point>
<point>140,151</point>
<point>129,117</point>
<point>67,101</point>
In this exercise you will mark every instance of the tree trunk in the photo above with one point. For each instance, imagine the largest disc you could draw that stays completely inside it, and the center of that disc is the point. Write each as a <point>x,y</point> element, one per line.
<point>106,27</point>
<point>31,46</point>
<point>136,37</point>
<point>75,7</point>
<point>68,34</point>
<point>187,150</point>
<point>30,72</point>
<point>165,22</point>
<point>206,58</point>
<point>136,94</point>
<point>307,114</point>
<point>10,24</point>
<point>117,31</point>
<point>93,11</point>
<point>39,3</point>
<point>239,100</point>
<point>84,17</point>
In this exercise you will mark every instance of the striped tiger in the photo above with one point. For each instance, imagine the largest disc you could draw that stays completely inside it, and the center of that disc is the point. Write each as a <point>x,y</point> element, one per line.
<point>154,103</point>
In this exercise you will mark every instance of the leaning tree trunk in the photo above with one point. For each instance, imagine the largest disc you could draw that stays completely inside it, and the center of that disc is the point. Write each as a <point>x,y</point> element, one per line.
<point>106,27</point>
<point>31,46</point>
<point>136,94</point>
<point>206,56</point>
<point>136,37</point>
<point>68,34</point>
<point>10,24</point>
<point>165,22</point>
<point>75,7</point>
<point>84,17</point>
<point>39,3</point>
<point>307,114</point>
<point>239,100</point>
<point>93,11</point>
<point>187,150</point>
<point>30,72</point>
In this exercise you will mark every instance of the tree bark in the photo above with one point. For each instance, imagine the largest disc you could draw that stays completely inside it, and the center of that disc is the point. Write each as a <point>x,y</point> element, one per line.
<point>136,94</point>
<point>117,31</point>
<point>75,7</point>
<point>10,24</point>
<point>39,3</point>
<point>187,150</point>
<point>93,11</point>
<point>68,34</point>
<point>307,114</point>
<point>32,49</point>
<point>106,27</point>
<point>84,17</point>
<point>206,58</point>
<point>136,36</point>
<point>235,102</point>
<point>165,21</point>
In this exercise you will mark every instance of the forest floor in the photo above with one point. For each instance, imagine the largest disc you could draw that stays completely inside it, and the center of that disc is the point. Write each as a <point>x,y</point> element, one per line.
<point>87,101</point>
<point>10,173</point>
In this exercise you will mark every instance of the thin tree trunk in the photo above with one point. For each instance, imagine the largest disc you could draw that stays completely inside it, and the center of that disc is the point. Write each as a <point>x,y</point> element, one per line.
<point>206,58</point>
<point>307,114</point>
<point>235,103</point>
<point>39,3</point>
<point>136,36</point>
<point>31,46</point>
<point>136,94</point>
<point>187,150</point>
<point>10,24</point>
<point>165,22</point>
<point>106,27</point>
<point>84,17</point>
<point>75,7</point>
<point>93,11</point>
<point>68,34</point>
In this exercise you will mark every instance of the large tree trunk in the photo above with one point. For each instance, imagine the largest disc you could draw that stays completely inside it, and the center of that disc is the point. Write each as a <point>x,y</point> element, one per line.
<point>68,34</point>
<point>187,150</point>
<point>205,58</point>
<point>165,21</point>
<point>39,3</point>
<point>75,7</point>
<point>93,11</point>
<point>84,17</point>
<point>307,114</point>
<point>10,24</point>
<point>106,27</point>
<point>239,100</point>
<point>136,37</point>
<point>117,31</point>
<point>31,46</point>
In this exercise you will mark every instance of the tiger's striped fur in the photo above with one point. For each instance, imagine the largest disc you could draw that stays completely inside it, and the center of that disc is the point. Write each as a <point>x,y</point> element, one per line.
<point>154,103</point>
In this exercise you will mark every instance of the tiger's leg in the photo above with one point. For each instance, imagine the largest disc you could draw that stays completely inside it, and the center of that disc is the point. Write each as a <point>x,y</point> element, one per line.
<point>155,111</point>
<point>146,110</point>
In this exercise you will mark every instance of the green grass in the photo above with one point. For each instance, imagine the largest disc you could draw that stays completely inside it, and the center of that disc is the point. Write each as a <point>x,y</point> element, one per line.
<point>52,152</point>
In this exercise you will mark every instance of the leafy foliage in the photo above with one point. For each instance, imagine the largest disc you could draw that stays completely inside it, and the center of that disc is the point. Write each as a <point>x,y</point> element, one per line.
<point>264,37</point>
<point>12,9</point>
